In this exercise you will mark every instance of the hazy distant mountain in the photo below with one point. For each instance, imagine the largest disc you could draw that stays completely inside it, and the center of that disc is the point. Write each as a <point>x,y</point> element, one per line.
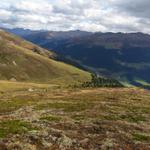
<point>19,31</point>
<point>123,56</point>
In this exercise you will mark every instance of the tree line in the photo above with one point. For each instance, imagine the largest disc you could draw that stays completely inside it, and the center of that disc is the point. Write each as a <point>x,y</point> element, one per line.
<point>97,81</point>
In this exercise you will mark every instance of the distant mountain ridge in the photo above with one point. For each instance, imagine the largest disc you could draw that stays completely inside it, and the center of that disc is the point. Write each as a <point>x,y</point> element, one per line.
<point>124,56</point>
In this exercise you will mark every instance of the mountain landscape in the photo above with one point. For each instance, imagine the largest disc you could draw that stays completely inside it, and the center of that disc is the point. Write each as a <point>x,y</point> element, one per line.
<point>49,104</point>
<point>123,56</point>
<point>74,75</point>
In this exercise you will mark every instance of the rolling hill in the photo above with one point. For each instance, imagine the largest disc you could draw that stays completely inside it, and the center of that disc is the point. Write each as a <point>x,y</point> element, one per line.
<point>123,56</point>
<point>23,61</point>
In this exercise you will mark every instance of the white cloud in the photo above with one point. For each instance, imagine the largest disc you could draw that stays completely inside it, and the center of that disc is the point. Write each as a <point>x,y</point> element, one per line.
<point>90,15</point>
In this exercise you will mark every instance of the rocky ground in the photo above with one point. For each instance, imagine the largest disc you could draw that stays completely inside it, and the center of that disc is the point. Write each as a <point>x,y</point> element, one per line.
<point>66,119</point>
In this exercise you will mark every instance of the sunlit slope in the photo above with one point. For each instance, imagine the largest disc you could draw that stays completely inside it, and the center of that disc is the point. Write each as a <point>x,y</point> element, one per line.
<point>23,61</point>
<point>11,38</point>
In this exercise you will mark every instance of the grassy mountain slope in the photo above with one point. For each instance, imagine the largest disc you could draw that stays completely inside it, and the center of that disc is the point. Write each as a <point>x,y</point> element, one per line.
<point>23,61</point>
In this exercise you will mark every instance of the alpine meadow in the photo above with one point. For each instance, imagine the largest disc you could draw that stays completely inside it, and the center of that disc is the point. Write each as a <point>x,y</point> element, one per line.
<point>74,75</point>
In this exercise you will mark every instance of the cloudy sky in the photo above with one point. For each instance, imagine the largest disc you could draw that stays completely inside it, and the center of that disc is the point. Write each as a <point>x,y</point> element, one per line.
<point>89,15</point>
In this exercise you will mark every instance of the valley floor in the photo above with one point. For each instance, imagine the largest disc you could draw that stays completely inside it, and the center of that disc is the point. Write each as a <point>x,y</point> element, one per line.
<point>53,118</point>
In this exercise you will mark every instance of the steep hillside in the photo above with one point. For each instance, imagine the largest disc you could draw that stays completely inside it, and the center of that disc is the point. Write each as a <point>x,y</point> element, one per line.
<point>118,55</point>
<point>24,61</point>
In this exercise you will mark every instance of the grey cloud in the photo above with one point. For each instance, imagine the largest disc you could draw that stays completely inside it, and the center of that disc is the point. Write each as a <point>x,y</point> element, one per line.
<point>91,15</point>
<point>138,8</point>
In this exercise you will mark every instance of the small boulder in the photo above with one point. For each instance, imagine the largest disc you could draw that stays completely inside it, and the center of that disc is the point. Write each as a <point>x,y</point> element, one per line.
<point>13,80</point>
<point>30,90</point>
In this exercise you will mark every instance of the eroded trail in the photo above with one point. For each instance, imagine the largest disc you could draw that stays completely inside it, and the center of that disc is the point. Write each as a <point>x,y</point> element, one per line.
<point>73,119</point>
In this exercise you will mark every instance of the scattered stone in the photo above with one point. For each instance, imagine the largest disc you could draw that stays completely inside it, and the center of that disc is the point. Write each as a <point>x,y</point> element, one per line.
<point>14,63</point>
<point>15,146</point>
<point>30,90</point>
<point>108,144</point>
<point>65,141</point>
<point>46,145</point>
<point>13,80</point>
<point>34,137</point>
<point>84,142</point>
<point>3,146</point>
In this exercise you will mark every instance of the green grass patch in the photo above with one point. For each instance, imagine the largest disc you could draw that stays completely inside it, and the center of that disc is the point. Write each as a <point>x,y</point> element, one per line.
<point>21,86</point>
<point>140,109</point>
<point>111,117</point>
<point>14,127</point>
<point>78,117</point>
<point>67,107</point>
<point>141,137</point>
<point>12,105</point>
<point>133,118</point>
<point>9,106</point>
<point>51,118</point>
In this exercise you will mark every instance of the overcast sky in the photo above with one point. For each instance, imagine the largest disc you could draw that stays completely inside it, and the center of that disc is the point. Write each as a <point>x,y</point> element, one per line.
<point>89,15</point>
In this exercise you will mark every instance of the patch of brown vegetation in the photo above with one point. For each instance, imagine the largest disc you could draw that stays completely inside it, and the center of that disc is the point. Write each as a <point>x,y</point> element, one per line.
<point>110,119</point>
